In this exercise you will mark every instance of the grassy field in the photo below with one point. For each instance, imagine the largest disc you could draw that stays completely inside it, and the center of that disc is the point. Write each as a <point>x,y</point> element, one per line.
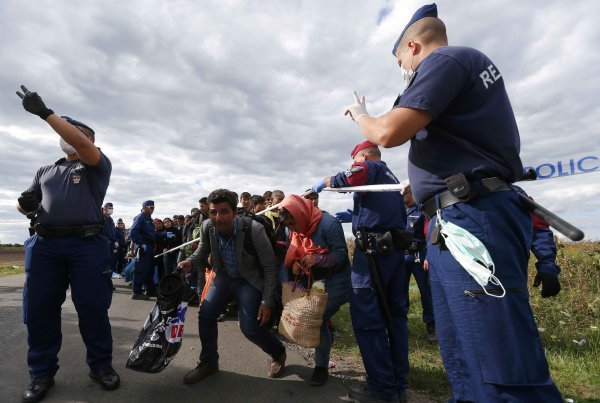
<point>11,260</point>
<point>569,326</point>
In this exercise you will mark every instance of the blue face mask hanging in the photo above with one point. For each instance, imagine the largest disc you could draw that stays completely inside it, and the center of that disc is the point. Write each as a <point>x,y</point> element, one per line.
<point>471,254</point>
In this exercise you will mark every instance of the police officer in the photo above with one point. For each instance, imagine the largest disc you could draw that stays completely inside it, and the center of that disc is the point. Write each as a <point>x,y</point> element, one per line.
<point>68,248</point>
<point>415,258</point>
<point>122,249</point>
<point>464,153</point>
<point>383,345</point>
<point>144,235</point>
<point>111,232</point>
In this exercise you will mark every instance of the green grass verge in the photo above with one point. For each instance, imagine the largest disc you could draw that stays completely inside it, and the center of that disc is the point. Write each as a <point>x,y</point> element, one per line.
<point>9,271</point>
<point>570,317</point>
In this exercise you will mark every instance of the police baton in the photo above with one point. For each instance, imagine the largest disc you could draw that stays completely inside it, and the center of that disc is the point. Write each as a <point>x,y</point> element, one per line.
<point>561,225</point>
<point>365,245</point>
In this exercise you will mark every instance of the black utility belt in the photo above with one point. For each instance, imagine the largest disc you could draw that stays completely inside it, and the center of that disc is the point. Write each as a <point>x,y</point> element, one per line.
<point>384,242</point>
<point>82,231</point>
<point>448,198</point>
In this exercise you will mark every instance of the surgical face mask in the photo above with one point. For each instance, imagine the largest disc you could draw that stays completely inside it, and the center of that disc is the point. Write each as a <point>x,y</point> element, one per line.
<point>407,75</point>
<point>472,255</point>
<point>109,211</point>
<point>66,147</point>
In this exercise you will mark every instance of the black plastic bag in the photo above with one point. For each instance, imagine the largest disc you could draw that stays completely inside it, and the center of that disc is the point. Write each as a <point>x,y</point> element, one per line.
<point>160,337</point>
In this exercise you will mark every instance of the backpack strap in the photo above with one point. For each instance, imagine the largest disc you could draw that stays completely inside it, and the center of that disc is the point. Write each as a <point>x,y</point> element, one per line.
<point>248,243</point>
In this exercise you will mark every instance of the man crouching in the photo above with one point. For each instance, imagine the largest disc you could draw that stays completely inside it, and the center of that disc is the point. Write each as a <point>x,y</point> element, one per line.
<point>251,275</point>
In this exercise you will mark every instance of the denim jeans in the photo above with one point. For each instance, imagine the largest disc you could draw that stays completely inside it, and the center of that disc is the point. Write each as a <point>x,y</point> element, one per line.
<point>249,299</point>
<point>338,289</point>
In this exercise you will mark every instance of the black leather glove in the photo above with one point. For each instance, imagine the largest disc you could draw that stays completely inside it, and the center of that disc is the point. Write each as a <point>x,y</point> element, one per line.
<point>28,201</point>
<point>33,103</point>
<point>550,284</point>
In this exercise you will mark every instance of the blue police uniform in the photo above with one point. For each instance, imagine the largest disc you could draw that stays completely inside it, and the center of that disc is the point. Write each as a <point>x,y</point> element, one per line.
<point>415,257</point>
<point>59,256</point>
<point>111,232</point>
<point>142,232</point>
<point>490,346</point>
<point>121,250</point>
<point>384,349</point>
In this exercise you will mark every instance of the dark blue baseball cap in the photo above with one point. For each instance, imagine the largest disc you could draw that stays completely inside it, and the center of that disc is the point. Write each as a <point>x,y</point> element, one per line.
<point>148,203</point>
<point>429,10</point>
<point>78,123</point>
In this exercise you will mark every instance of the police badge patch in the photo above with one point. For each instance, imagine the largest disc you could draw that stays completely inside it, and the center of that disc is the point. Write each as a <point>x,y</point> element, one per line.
<point>349,172</point>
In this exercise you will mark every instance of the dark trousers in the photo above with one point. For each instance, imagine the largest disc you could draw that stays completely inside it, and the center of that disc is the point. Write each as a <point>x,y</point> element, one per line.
<point>249,298</point>
<point>490,347</point>
<point>144,272</point>
<point>384,348</point>
<point>52,265</point>
<point>422,279</point>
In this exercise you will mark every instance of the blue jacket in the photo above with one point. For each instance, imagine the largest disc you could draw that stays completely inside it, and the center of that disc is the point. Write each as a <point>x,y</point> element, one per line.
<point>142,231</point>
<point>329,234</point>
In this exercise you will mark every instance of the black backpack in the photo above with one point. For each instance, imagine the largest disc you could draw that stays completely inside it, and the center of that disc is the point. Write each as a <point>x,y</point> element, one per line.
<point>262,220</point>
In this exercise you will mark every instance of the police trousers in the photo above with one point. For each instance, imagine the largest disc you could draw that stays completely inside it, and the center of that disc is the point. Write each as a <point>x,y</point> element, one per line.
<point>143,273</point>
<point>52,264</point>
<point>422,279</point>
<point>490,347</point>
<point>383,346</point>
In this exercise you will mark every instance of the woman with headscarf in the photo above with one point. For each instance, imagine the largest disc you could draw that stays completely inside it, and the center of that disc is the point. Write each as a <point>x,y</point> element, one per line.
<point>317,247</point>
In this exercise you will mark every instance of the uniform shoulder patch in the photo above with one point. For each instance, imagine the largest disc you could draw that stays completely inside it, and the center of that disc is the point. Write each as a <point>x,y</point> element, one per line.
<point>353,169</point>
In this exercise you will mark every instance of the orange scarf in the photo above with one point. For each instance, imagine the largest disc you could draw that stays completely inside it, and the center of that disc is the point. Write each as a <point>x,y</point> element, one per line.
<point>307,218</point>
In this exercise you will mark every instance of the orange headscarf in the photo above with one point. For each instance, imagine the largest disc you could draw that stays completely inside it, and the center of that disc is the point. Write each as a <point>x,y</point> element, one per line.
<point>307,218</point>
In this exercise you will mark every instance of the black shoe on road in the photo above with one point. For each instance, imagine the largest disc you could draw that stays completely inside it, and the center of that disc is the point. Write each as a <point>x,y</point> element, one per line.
<point>107,378</point>
<point>37,389</point>
<point>319,376</point>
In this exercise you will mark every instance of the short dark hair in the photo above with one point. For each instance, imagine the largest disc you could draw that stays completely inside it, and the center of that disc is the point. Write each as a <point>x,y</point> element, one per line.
<point>223,195</point>
<point>268,193</point>
<point>257,199</point>
<point>203,200</point>
<point>245,195</point>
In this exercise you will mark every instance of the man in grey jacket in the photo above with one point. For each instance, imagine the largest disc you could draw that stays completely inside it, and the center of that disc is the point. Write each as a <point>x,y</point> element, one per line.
<point>251,275</point>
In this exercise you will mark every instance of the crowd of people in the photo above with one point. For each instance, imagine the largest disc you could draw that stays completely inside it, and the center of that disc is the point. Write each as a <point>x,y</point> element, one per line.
<point>456,226</point>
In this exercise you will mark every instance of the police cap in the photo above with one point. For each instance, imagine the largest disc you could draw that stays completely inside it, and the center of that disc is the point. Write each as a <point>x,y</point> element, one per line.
<point>362,146</point>
<point>428,10</point>
<point>78,123</point>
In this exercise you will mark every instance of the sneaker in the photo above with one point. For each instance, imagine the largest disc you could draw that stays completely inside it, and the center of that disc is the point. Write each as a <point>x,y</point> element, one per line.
<point>318,377</point>
<point>203,370</point>
<point>37,389</point>
<point>143,297</point>
<point>277,366</point>
<point>430,331</point>
<point>152,293</point>
<point>107,378</point>
<point>362,395</point>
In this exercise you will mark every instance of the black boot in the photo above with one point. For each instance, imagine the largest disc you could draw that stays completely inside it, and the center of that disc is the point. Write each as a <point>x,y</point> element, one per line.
<point>37,389</point>
<point>107,378</point>
<point>319,376</point>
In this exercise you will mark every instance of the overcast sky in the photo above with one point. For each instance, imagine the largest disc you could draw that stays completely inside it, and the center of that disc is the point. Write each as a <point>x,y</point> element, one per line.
<point>187,96</point>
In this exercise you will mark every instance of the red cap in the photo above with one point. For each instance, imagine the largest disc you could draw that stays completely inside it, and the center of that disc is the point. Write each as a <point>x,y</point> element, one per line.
<point>362,146</point>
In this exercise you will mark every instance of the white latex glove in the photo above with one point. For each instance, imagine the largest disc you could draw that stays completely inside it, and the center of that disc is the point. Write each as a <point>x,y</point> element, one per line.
<point>358,108</point>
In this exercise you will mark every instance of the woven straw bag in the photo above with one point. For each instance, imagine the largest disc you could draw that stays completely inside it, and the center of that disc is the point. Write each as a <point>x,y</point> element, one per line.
<point>302,314</point>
